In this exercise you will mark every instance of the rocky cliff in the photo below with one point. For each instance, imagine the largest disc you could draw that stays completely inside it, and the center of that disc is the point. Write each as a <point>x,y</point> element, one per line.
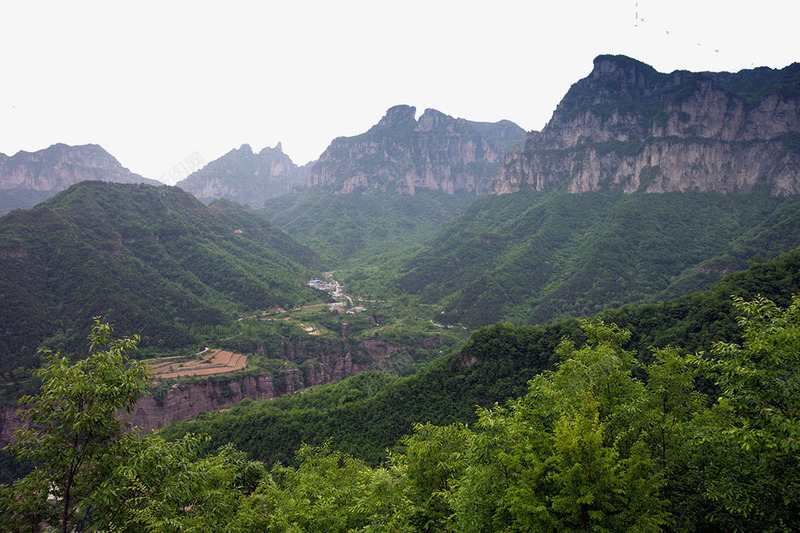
<point>246,177</point>
<point>401,154</point>
<point>329,363</point>
<point>27,178</point>
<point>627,126</point>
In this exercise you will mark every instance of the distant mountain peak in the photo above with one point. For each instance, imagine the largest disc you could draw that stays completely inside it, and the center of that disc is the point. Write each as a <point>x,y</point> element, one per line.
<point>627,126</point>
<point>399,114</point>
<point>245,177</point>
<point>401,154</point>
<point>30,177</point>
<point>267,150</point>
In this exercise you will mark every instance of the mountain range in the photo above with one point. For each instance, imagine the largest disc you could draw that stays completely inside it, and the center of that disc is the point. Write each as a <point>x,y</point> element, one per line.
<point>643,186</point>
<point>246,177</point>
<point>27,178</point>
<point>624,126</point>
<point>628,127</point>
<point>468,252</point>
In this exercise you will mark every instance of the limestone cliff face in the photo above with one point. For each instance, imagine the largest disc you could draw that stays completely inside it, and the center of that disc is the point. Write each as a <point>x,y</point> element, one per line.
<point>245,177</point>
<point>402,154</point>
<point>330,362</point>
<point>31,177</point>
<point>629,127</point>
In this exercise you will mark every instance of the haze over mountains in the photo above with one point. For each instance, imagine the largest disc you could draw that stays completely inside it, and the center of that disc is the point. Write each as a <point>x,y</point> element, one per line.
<point>628,127</point>
<point>245,177</point>
<point>458,257</point>
<point>624,126</point>
<point>643,186</point>
<point>28,178</point>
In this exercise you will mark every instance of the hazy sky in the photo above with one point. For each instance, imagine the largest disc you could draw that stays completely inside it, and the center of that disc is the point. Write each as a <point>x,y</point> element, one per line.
<point>163,83</point>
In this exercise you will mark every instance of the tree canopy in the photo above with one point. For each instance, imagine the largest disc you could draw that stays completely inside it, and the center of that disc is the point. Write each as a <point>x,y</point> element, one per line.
<point>602,442</point>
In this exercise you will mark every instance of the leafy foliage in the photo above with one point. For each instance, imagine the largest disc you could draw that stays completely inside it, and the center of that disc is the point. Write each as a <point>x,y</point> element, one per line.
<point>75,437</point>
<point>589,447</point>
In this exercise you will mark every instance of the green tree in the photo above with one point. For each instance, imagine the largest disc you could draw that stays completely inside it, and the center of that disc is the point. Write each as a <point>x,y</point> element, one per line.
<point>432,463</point>
<point>570,455</point>
<point>751,440</point>
<point>328,491</point>
<point>168,487</point>
<point>75,436</point>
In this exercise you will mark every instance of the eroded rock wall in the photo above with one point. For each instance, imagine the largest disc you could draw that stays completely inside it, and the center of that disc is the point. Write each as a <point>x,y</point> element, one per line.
<point>629,127</point>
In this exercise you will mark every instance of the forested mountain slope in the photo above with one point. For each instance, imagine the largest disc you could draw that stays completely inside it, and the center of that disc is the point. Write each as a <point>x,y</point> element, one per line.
<point>348,229</point>
<point>539,256</point>
<point>366,415</point>
<point>152,260</point>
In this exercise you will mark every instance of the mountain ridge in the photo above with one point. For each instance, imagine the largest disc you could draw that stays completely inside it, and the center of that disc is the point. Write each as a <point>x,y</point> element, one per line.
<point>627,126</point>
<point>245,177</point>
<point>152,260</point>
<point>27,178</point>
<point>401,154</point>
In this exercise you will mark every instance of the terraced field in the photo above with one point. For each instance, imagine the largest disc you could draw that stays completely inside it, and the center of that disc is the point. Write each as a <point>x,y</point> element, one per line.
<point>212,362</point>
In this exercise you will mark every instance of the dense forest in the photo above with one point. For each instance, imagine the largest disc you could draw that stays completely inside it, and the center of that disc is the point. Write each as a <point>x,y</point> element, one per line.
<point>492,435</point>
<point>607,342</point>
<point>365,415</point>
<point>600,442</point>
<point>153,260</point>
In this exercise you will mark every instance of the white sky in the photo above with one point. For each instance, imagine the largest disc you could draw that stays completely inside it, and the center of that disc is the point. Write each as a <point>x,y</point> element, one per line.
<point>156,82</point>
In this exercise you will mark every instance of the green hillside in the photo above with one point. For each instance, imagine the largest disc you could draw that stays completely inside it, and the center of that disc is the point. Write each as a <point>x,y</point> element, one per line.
<point>365,415</point>
<point>150,260</point>
<point>537,257</point>
<point>352,229</point>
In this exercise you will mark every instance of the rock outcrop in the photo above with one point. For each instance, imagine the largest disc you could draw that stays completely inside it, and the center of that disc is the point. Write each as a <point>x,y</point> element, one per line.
<point>401,154</point>
<point>629,127</point>
<point>323,362</point>
<point>245,177</point>
<point>27,178</point>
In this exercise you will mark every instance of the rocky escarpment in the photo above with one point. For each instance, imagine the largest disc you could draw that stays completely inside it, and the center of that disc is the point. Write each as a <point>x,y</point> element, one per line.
<point>330,363</point>
<point>308,364</point>
<point>629,127</point>
<point>27,178</point>
<point>246,177</point>
<point>402,154</point>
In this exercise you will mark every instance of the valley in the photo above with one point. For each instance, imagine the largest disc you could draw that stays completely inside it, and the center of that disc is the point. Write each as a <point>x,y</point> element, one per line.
<point>206,363</point>
<point>452,316</point>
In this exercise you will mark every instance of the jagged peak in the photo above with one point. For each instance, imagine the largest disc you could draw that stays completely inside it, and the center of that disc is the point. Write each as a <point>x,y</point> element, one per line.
<point>245,149</point>
<point>609,64</point>
<point>432,118</point>
<point>268,151</point>
<point>399,114</point>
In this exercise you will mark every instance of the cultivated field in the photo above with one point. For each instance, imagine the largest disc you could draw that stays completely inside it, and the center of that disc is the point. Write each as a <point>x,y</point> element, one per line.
<point>212,362</point>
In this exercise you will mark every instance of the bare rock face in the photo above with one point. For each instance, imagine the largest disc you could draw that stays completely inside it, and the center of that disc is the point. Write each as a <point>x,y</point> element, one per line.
<point>629,127</point>
<point>401,154</point>
<point>186,400</point>
<point>27,178</point>
<point>323,362</point>
<point>331,364</point>
<point>245,177</point>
